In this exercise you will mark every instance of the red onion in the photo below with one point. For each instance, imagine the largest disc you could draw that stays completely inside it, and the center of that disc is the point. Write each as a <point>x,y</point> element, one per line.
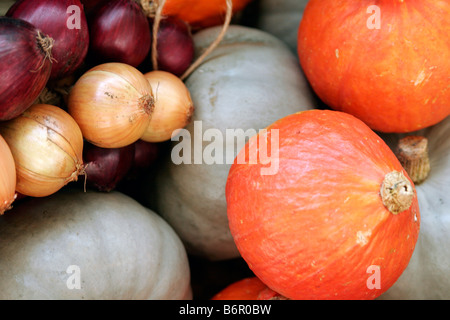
<point>119,32</point>
<point>175,46</point>
<point>25,65</point>
<point>105,168</point>
<point>144,165</point>
<point>145,154</point>
<point>67,27</point>
<point>91,6</point>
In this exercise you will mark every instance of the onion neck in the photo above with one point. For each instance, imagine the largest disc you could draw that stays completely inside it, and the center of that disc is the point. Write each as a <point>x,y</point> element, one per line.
<point>7,204</point>
<point>412,152</point>
<point>396,192</point>
<point>149,7</point>
<point>147,104</point>
<point>45,45</point>
<point>80,170</point>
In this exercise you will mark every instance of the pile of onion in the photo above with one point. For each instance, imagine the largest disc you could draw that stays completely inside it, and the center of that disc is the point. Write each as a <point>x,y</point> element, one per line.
<point>68,28</point>
<point>119,32</point>
<point>25,65</point>
<point>112,103</point>
<point>173,106</point>
<point>7,177</point>
<point>47,147</point>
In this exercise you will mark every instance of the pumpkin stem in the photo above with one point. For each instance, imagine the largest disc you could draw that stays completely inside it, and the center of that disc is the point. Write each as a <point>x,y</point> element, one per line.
<point>396,192</point>
<point>412,152</point>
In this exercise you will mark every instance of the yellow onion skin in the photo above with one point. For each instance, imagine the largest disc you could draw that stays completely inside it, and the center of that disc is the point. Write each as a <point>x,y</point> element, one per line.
<point>112,103</point>
<point>47,147</point>
<point>7,177</point>
<point>173,106</point>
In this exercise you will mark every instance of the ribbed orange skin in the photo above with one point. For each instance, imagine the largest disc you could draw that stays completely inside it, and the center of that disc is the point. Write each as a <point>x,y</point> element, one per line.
<point>301,231</point>
<point>201,13</point>
<point>246,289</point>
<point>396,78</point>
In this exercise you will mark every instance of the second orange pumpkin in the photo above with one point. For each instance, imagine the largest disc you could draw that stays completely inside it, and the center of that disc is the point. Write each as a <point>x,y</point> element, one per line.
<point>326,224</point>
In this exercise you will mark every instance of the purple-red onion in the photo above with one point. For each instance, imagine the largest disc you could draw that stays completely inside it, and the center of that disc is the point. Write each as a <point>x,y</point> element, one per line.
<point>105,168</point>
<point>91,6</point>
<point>175,46</point>
<point>119,32</point>
<point>25,65</point>
<point>65,22</point>
<point>145,157</point>
<point>145,154</point>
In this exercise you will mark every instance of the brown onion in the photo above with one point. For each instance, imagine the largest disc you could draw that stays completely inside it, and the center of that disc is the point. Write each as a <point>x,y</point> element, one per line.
<point>68,29</point>
<point>173,106</point>
<point>47,146</point>
<point>112,103</point>
<point>25,65</point>
<point>7,177</point>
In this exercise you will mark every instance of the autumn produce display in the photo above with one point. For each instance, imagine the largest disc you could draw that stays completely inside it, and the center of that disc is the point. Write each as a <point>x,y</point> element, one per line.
<point>217,150</point>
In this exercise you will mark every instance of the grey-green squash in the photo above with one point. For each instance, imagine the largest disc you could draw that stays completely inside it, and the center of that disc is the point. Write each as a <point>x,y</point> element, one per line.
<point>249,81</point>
<point>282,19</point>
<point>94,246</point>
<point>428,273</point>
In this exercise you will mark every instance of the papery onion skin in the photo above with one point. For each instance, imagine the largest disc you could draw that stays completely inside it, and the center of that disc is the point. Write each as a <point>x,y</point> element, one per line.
<point>106,167</point>
<point>119,32</point>
<point>47,146</point>
<point>173,106</point>
<point>51,17</point>
<point>113,104</point>
<point>25,66</point>
<point>7,177</point>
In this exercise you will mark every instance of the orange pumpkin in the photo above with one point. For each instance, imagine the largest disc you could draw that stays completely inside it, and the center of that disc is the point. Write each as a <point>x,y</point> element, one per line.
<point>385,62</point>
<point>320,227</point>
<point>247,289</point>
<point>198,13</point>
<point>201,13</point>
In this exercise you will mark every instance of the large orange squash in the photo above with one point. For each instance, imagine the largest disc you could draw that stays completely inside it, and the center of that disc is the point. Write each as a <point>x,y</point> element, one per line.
<point>247,289</point>
<point>386,62</point>
<point>319,227</point>
<point>201,13</point>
